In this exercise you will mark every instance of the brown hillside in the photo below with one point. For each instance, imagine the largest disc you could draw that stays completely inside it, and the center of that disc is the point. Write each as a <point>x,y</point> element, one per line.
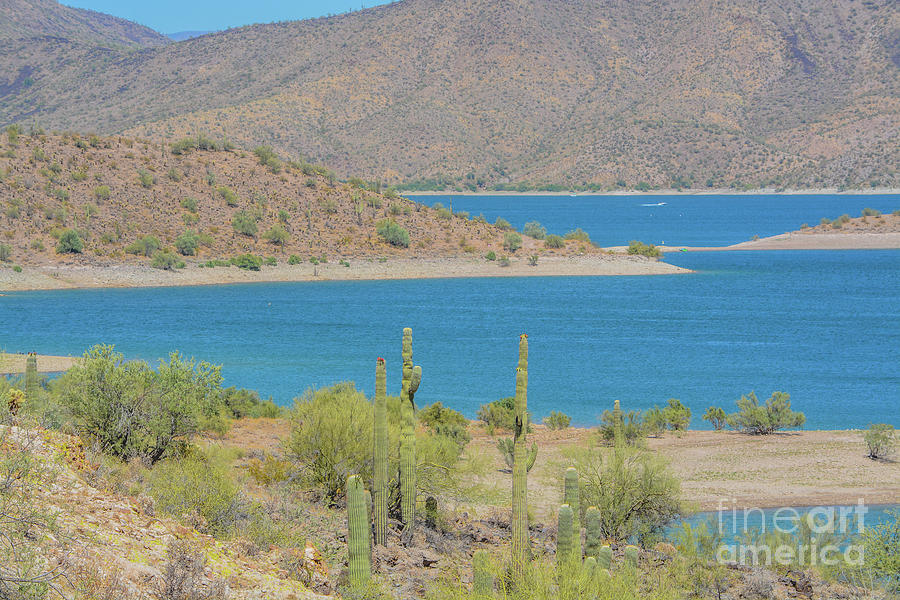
<point>93,185</point>
<point>699,93</point>
<point>22,19</point>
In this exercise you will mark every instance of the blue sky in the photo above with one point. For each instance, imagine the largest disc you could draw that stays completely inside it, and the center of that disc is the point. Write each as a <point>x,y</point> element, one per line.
<point>170,16</point>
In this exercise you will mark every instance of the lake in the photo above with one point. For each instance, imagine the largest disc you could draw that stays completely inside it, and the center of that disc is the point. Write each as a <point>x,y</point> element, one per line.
<point>823,326</point>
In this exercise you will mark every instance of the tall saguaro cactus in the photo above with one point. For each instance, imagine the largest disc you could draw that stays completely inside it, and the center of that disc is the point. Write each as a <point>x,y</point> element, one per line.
<point>412,376</point>
<point>358,546</point>
<point>572,497</point>
<point>31,377</point>
<point>618,425</point>
<point>520,545</point>
<point>380,475</point>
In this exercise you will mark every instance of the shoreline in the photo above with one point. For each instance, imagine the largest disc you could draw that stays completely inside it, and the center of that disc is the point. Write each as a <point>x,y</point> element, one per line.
<point>14,363</point>
<point>55,277</point>
<point>693,192</point>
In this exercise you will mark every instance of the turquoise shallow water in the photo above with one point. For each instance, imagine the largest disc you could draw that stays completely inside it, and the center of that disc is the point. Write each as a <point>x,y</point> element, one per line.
<point>822,326</point>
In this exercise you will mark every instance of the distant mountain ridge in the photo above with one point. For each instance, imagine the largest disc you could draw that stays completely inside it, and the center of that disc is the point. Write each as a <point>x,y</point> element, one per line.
<point>480,93</point>
<point>180,36</point>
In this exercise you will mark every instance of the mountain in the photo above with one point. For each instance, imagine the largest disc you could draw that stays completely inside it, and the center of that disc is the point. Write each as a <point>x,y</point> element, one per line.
<point>22,19</point>
<point>114,191</point>
<point>470,93</point>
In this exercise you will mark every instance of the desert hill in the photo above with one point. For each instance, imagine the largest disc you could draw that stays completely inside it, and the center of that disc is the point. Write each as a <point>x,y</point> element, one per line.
<point>477,93</point>
<point>116,191</point>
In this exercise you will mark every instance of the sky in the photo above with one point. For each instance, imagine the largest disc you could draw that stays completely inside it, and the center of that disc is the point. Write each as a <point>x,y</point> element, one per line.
<point>172,16</point>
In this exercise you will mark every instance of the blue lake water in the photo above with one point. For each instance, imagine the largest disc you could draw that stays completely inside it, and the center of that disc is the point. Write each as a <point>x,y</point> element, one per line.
<point>823,326</point>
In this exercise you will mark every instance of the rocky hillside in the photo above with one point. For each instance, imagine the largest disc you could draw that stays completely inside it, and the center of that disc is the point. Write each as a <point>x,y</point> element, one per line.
<point>128,198</point>
<point>43,19</point>
<point>476,93</point>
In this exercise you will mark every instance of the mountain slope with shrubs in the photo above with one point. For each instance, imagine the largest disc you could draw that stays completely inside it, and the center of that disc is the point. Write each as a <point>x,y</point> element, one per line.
<point>92,200</point>
<point>536,94</point>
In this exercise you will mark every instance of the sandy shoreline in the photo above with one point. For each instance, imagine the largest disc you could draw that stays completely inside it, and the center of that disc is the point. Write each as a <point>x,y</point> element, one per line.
<point>71,276</point>
<point>11,364</point>
<point>799,241</point>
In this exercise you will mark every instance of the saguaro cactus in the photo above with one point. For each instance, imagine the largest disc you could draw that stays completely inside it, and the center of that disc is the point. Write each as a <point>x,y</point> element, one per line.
<point>358,544</point>
<point>631,556</point>
<point>482,580</point>
<point>31,377</point>
<point>604,557</point>
<point>412,376</point>
<point>592,535</point>
<point>572,496</point>
<point>520,544</point>
<point>380,474</point>
<point>565,536</point>
<point>618,426</point>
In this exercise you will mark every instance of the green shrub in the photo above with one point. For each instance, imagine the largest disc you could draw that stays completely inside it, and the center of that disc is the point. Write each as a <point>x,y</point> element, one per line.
<point>557,420</point>
<point>102,192</point>
<point>446,422</point>
<point>231,199</point>
<point>17,268</point>
<point>491,255</point>
<point>512,241</point>
<point>189,204</point>
<point>881,440</point>
<point>146,178</point>
<point>534,230</point>
<point>554,241</point>
<point>293,259</point>
<point>131,411</point>
<point>392,233</point>
<point>271,261</point>
<point>145,246</point>
<point>5,252</point>
<point>641,249</point>
<point>578,234</point>
<point>196,485</point>
<point>763,419</point>
<point>69,243</point>
<point>502,223</point>
<point>871,212</point>
<point>187,243</point>
<point>499,414</point>
<point>716,417</point>
<point>277,234</point>
<point>636,492</point>
<point>242,403</point>
<point>331,436</point>
<point>632,426</point>
<point>166,260</point>
<point>881,548</point>
<point>268,158</point>
<point>244,223</point>
<point>248,262</point>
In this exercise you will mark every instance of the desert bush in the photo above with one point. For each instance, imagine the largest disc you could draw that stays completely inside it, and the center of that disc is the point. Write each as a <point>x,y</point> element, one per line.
<point>268,158</point>
<point>392,233</point>
<point>512,241</point>
<point>641,249</point>
<point>146,178</point>
<point>675,416</point>
<point>502,223</point>
<point>183,576</point>
<point>498,414</point>
<point>145,246</point>
<point>763,419</point>
<point>632,427</point>
<point>635,490</point>
<point>244,223</point>
<point>446,422</point>
<point>166,260</point>
<point>491,255</point>
<point>5,252</point>
<point>534,230</point>
<point>277,234</point>
<point>198,484</point>
<point>69,243</point>
<point>227,194</point>
<point>189,204</point>
<point>293,259</point>
<point>102,192</point>
<point>881,545</point>
<point>881,440</point>
<point>187,243</point>
<point>248,262</point>
<point>554,241</point>
<point>578,234</point>
<point>242,403</point>
<point>129,410</point>
<point>716,417</point>
<point>331,436</point>
<point>557,420</point>
<point>871,212</point>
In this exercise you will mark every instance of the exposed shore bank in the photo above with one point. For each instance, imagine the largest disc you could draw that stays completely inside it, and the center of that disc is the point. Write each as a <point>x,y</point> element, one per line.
<point>12,364</point>
<point>52,277</point>
<point>799,241</point>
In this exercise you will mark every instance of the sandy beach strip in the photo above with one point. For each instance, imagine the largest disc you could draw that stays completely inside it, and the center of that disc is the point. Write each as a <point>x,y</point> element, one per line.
<point>12,364</point>
<point>53,277</point>
<point>799,241</point>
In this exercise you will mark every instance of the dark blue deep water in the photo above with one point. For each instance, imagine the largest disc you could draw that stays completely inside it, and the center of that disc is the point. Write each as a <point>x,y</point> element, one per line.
<point>823,326</point>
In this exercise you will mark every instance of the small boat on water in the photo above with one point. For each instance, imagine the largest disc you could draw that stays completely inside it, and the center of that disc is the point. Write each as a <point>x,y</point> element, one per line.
<point>655,204</point>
